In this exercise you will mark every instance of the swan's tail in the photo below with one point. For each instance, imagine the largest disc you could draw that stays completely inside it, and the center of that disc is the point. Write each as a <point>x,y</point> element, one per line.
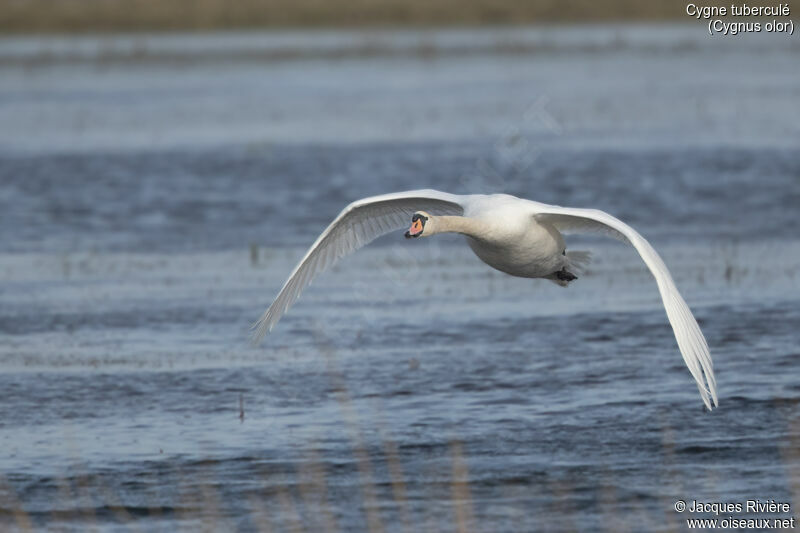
<point>578,261</point>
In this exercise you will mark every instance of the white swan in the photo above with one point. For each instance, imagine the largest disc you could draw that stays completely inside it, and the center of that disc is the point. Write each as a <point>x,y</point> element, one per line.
<point>516,236</point>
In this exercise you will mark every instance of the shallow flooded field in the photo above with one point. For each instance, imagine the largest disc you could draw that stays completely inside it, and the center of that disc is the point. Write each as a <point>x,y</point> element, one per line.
<point>156,192</point>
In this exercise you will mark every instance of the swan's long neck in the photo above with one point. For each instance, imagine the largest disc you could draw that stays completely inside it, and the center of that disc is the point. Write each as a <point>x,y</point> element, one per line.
<point>456,224</point>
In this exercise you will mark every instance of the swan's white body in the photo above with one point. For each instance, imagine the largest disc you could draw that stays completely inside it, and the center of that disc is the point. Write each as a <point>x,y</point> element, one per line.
<point>516,236</point>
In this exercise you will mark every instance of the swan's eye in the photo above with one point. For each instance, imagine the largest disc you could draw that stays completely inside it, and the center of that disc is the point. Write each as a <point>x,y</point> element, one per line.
<point>417,225</point>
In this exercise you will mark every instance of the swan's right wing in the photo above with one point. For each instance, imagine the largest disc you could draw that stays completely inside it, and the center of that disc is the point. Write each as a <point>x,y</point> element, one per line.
<point>691,341</point>
<point>357,225</point>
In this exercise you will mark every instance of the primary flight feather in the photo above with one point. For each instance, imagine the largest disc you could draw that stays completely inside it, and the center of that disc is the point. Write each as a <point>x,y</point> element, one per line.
<point>516,236</point>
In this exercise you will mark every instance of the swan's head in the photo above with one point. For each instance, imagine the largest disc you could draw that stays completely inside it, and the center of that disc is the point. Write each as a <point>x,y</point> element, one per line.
<point>418,222</point>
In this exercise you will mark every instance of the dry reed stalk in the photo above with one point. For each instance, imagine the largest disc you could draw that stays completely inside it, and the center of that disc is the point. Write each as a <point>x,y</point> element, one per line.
<point>20,516</point>
<point>462,499</point>
<point>365,472</point>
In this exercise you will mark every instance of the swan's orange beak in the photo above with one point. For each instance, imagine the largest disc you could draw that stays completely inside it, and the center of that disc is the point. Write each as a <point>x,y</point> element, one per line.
<point>416,228</point>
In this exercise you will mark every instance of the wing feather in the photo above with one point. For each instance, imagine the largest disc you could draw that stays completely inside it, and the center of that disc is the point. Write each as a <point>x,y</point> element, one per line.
<point>691,341</point>
<point>357,225</point>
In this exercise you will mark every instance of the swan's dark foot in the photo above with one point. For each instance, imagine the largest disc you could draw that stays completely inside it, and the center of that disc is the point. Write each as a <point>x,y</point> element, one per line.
<point>565,275</point>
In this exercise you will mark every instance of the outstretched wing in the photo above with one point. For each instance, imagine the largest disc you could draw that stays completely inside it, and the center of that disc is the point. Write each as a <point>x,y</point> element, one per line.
<point>357,225</point>
<point>690,339</point>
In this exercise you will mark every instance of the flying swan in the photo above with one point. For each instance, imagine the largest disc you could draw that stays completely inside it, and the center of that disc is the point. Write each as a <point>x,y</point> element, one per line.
<point>516,236</point>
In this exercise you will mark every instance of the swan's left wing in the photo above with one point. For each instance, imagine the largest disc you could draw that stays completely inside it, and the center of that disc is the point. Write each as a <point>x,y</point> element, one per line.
<point>691,341</point>
<point>357,225</point>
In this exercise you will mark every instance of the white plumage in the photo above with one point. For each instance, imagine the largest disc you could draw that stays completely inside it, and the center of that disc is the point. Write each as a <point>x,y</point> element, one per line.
<point>517,236</point>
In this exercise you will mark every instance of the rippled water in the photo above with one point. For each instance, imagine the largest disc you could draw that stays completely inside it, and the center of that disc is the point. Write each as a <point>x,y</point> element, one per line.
<point>149,222</point>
